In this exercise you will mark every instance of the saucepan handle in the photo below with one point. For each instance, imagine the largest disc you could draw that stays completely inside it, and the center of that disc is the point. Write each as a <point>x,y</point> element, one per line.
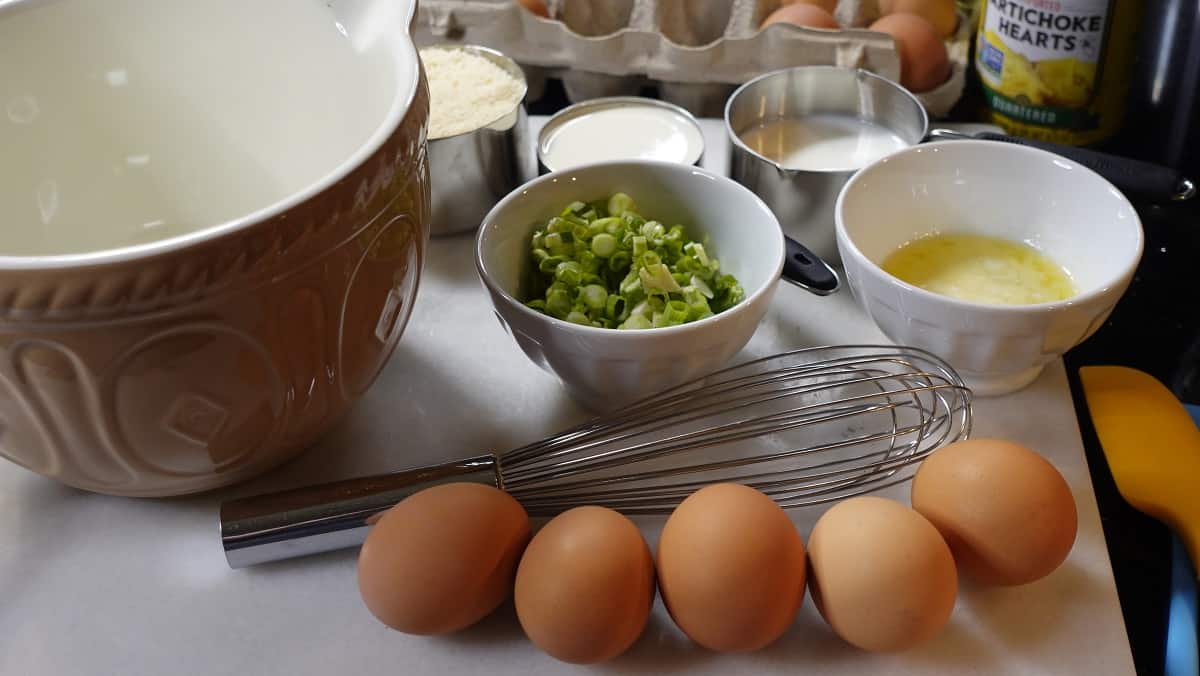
<point>1142,180</point>
<point>807,271</point>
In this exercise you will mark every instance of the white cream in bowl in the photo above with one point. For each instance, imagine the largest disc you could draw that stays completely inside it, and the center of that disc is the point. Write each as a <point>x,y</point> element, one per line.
<point>619,128</point>
<point>151,119</point>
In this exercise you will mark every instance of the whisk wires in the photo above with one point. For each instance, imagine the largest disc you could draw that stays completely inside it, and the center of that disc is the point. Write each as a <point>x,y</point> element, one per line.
<point>805,427</point>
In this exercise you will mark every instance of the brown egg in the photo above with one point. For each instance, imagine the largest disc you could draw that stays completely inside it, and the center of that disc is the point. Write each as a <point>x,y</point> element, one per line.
<point>924,63</point>
<point>881,576</point>
<point>731,568</point>
<point>1006,512</point>
<point>811,16</point>
<point>827,5</point>
<point>585,586</point>
<point>443,558</point>
<point>538,7</point>
<point>941,13</point>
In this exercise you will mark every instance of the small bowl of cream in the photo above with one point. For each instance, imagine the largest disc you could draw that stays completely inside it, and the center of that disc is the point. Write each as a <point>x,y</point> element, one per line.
<point>616,129</point>
<point>999,258</point>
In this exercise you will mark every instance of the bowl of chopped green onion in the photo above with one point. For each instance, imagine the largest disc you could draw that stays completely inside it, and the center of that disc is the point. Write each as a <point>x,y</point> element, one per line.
<point>625,278</point>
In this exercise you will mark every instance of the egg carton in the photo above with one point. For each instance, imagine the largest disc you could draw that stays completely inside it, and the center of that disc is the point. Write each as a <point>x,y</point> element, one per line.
<point>695,52</point>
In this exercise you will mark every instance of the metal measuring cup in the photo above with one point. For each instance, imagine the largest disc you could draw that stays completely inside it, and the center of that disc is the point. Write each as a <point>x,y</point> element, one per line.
<point>471,171</point>
<point>803,199</point>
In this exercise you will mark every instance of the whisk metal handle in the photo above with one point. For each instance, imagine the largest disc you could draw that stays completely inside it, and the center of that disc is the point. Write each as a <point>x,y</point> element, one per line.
<point>330,516</point>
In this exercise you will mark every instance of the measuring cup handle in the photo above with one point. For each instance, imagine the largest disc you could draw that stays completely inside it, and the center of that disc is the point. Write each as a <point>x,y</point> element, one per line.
<point>1134,177</point>
<point>807,271</point>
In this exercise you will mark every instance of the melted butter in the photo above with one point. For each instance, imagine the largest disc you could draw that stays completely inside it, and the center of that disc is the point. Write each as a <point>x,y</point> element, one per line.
<point>980,269</point>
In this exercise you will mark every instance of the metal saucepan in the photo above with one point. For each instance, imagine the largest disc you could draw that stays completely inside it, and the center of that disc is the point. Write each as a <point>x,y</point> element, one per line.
<point>803,199</point>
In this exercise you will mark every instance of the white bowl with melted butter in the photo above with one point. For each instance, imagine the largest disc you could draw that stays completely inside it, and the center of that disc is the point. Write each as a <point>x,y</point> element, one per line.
<point>996,257</point>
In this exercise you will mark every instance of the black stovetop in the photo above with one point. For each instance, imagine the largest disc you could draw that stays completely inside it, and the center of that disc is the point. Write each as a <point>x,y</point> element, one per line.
<point>1155,328</point>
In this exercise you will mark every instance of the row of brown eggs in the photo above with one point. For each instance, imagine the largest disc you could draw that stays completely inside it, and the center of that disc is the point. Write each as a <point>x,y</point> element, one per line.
<point>730,565</point>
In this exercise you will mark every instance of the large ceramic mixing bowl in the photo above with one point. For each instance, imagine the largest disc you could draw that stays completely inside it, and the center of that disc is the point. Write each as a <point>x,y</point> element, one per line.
<point>216,216</point>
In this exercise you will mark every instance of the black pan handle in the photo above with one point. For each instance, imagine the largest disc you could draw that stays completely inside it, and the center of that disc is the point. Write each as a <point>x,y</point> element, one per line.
<point>807,271</point>
<point>1143,180</point>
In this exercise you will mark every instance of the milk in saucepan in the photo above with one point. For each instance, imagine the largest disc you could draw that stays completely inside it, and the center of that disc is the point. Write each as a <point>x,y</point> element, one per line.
<point>822,142</point>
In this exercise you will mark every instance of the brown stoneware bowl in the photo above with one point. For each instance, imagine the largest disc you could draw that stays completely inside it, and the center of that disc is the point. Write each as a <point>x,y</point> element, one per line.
<point>196,360</point>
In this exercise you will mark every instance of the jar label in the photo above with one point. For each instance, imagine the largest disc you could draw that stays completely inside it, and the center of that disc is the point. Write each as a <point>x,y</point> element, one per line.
<point>1040,60</point>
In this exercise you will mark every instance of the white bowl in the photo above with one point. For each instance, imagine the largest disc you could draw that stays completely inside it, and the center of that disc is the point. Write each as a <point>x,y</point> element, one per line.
<point>1067,211</point>
<point>604,368</point>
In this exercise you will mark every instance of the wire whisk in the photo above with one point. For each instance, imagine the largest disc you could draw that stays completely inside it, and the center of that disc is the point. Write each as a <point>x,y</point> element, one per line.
<point>805,427</point>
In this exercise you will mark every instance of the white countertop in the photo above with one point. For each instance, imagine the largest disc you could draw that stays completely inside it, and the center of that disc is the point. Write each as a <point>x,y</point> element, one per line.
<point>91,584</point>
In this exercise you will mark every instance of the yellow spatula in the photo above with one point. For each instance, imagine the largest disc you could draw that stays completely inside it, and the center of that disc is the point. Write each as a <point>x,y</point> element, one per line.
<point>1152,446</point>
<point>1153,449</point>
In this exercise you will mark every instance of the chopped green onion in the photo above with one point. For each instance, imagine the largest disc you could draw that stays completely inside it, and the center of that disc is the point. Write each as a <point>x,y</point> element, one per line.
<point>604,225</point>
<point>578,318</point>
<point>615,307</point>
<point>675,313</point>
<point>636,322</point>
<point>653,229</point>
<point>604,245</point>
<point>639,246</point>
<point>658,277</point>
<point>620,204</point>
<point>589,262</point>
<point>619,261</point>
<point>569,273</point>
<point>696,249</point>
<point>558,302</point>
<point>602,264</point>
<point>631,284</point>
<point>594,296</point>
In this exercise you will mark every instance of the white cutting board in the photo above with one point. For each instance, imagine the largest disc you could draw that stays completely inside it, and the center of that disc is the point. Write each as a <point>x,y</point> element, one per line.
<point>99,585</point>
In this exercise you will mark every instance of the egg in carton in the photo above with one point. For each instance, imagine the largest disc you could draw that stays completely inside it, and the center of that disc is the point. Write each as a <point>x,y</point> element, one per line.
<point>696,52</point>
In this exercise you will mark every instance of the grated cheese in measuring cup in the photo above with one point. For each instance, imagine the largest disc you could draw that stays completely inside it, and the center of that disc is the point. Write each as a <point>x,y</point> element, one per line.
<point>466,91</point>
